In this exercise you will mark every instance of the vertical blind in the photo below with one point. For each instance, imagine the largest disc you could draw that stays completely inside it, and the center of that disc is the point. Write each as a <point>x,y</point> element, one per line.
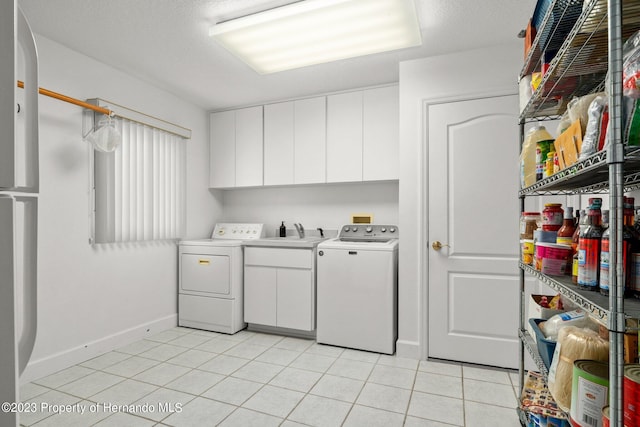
<point>140,188</point>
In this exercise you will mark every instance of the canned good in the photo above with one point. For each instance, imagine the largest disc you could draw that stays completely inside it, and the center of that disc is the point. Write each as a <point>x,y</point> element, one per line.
<point>630,404</point>
<point>605,417</point>
<point>590,392</point>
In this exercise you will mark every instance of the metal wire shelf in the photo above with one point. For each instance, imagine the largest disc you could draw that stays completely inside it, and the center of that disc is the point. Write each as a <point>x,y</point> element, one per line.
<point>592,302</point>
<point>589,176</point>
<point>581,63</point>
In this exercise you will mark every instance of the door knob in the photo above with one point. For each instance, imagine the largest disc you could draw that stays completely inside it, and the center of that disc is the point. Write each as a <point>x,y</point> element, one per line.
<point>437,245</point>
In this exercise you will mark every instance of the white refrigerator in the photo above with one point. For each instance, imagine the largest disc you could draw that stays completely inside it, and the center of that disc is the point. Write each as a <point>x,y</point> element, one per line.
<point>18,203</point>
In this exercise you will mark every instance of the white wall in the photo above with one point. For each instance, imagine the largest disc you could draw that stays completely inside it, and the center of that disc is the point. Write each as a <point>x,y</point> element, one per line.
<point>325,206</point>
<point>476,72</point>
<point>92,299</point>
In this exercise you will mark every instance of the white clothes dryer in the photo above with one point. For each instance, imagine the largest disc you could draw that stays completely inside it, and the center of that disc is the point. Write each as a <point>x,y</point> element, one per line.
<point>210,276</point>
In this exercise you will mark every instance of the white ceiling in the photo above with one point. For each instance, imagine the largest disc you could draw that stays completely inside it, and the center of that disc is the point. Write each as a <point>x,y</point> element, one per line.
<point>166,42</point>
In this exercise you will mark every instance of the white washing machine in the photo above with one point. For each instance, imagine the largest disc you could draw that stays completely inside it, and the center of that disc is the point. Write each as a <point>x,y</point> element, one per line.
<point>357,288</point>
<point>210,277</point>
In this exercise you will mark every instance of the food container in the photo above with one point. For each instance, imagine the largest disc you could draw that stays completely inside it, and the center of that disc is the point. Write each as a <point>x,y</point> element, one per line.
<point>552,258</point>
<point>545,236</point>
<point>527,251</point>
<point>529,222</point>
<point>545,347</point>
<point>589,392</point>
<point>605,417</point>
<point>552,217</point>
<point>631,403</point>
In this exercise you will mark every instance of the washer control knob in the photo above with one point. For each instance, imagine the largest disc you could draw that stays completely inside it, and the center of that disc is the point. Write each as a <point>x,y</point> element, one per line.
<point>392,230</point>
<point>384,230</point>
<point>355,229</point>
<point>346,229</point>
<point>369,229</point>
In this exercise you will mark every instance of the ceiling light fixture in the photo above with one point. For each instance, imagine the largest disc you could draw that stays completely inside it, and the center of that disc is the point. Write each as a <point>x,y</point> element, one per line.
<point>318,31</point>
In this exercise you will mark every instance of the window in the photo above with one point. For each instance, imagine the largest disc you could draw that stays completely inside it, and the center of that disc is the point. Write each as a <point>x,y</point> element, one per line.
<point>139,189</point>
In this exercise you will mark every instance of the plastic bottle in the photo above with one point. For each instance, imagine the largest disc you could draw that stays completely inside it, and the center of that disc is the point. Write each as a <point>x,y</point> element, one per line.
<point>574,245</point>
<point>565,235</point>
<point>589,248</point>
<point>283,230</point>
<point>604,255</point>
<point>528,154</point>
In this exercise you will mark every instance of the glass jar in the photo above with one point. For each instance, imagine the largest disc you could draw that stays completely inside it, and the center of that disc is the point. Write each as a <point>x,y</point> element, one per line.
<point>552,217</point>
<point>529,222</point>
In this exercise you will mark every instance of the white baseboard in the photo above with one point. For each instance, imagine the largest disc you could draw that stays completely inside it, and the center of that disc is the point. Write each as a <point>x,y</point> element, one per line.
<point>56,362</point>
<point>408,349</point>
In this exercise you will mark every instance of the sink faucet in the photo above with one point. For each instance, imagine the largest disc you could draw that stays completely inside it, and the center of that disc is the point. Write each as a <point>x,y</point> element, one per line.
<point>299,229</point>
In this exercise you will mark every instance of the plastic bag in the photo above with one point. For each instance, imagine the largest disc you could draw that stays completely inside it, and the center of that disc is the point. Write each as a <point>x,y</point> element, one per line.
<point>564,124</point>
<point>578,109</point>
<point>573,344</point>
<point>577,318</point>
<point>631,114</point>
<point>631,67</point>
<point>595,133</point>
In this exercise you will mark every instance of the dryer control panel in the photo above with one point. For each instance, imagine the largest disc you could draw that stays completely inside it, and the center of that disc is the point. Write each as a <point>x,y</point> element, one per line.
<point>238,231</point>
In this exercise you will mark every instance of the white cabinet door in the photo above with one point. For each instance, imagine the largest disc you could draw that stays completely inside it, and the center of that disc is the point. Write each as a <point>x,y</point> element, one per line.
<point>222,149</point>
<point>260,295</point>
<point>295,299</point>
<point>278,144</point>
<point>344,137</point>
<point>310,136</point>
<point>248,154</point>
<point>380,159</point>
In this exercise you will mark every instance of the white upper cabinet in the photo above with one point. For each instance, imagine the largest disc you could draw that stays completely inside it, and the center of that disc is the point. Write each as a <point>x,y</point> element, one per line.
<point>380,158</point>
<point>278,143</point>
<point>249,147</point>
<point>344,137</point>
<point>222,150</point>
<point>310,140</point>
<point>236,148</point>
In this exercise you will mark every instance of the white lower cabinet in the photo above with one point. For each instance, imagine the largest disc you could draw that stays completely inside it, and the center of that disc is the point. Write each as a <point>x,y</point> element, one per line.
<point>279,287</point>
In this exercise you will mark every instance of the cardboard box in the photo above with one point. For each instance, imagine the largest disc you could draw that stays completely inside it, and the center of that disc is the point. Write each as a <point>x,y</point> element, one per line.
<point>529,37</point>
<point>630,341</point>
<point>631,348</point>
<point>569,144</point>
<point>537,312</point>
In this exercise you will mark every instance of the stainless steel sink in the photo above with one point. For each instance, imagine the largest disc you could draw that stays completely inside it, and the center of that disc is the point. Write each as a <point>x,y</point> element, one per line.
<point>287,242</point>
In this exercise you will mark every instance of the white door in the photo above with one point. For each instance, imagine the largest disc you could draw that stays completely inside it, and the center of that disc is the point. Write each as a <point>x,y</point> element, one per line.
<point>473,208</point>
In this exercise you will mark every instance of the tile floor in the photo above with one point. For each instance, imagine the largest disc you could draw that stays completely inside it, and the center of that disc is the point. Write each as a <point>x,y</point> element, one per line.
<point>185,377</point>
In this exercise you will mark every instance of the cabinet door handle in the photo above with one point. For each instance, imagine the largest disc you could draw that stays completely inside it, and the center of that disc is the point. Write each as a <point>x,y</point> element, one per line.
<point>353,252</point>
<point>204,262</point>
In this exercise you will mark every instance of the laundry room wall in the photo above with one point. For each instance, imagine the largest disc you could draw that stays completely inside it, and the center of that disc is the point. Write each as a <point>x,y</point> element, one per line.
<point>328,206</point>
<point>94,298</point>
<point>433,78</point>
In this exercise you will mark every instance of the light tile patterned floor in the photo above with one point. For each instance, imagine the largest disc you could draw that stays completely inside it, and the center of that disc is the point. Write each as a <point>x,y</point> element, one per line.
<point>184,377</point>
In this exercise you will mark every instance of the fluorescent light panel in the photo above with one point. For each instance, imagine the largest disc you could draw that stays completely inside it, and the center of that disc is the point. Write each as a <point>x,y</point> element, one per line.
<point>317,31</point>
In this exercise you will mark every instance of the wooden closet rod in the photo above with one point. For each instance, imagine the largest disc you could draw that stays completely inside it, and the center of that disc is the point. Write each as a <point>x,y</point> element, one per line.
<point>70,100</point>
